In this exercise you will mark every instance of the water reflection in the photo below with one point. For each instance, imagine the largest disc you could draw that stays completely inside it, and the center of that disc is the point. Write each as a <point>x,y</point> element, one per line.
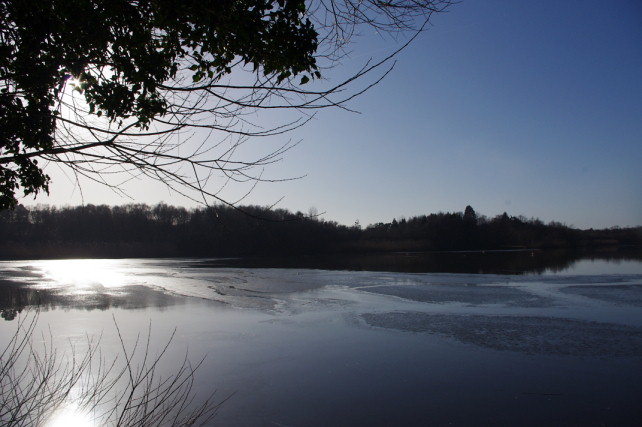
<point>131,284</point>
<point>83,283</point>
<point>477,262</point>
<point>82,273</point>
<point>17,296</point>
<point>446,349</point>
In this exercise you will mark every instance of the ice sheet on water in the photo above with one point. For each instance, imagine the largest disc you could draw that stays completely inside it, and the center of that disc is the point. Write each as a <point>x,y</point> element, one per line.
<point>271,289</point>
<point>532,335</point>
<point>467,294</point>
<point>626,295</point>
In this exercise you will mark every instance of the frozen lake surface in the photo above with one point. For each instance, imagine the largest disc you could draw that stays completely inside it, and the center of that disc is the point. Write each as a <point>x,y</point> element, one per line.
<point>304,347</point>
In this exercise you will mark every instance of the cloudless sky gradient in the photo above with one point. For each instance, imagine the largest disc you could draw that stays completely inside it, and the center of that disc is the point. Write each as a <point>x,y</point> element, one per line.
<point>533,108</point>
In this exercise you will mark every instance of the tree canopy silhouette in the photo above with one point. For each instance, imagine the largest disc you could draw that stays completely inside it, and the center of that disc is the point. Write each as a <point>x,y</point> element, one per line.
<point>139,230</point>
<point>120,88</point>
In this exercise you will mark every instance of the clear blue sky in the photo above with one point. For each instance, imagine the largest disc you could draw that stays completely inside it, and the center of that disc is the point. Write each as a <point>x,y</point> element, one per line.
<point>533,108</point>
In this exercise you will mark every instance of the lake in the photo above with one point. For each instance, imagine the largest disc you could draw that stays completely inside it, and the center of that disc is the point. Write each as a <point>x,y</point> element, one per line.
<point>515,338</point>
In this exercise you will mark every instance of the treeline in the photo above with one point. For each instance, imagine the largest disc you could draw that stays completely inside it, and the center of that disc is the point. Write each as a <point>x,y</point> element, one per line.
<point>139,230</point>
<point>469,231</point>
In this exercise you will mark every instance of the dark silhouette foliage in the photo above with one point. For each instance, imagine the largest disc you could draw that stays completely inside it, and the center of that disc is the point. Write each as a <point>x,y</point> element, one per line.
<point>139,230</point>
<point>112,87</point>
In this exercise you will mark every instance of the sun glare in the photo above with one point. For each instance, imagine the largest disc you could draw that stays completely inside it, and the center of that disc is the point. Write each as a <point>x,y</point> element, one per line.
<point>70,416</point>
<point>83,272</point>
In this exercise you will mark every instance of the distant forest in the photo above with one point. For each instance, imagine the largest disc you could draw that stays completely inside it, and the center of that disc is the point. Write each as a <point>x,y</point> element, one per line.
<point>139,230</point>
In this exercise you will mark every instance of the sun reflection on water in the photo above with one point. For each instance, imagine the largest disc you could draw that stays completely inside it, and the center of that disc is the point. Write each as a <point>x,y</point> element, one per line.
<point>83,273</point>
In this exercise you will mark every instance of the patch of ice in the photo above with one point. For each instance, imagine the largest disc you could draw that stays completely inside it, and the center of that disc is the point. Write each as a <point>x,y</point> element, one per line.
<point>532,335</point>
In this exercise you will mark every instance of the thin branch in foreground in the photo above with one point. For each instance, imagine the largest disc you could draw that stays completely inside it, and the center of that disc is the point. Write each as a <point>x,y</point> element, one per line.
<point>37,382</point>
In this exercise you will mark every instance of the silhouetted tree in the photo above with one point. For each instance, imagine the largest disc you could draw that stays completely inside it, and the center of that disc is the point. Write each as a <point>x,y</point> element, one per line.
<point>164,88</point>
<point>470,216</point>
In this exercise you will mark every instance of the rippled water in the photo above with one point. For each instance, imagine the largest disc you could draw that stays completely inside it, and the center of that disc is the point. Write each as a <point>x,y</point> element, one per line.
<point>306,347</point>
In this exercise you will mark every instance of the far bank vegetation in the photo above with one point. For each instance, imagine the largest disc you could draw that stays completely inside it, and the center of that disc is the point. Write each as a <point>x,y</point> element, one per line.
<point>139,230</point>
